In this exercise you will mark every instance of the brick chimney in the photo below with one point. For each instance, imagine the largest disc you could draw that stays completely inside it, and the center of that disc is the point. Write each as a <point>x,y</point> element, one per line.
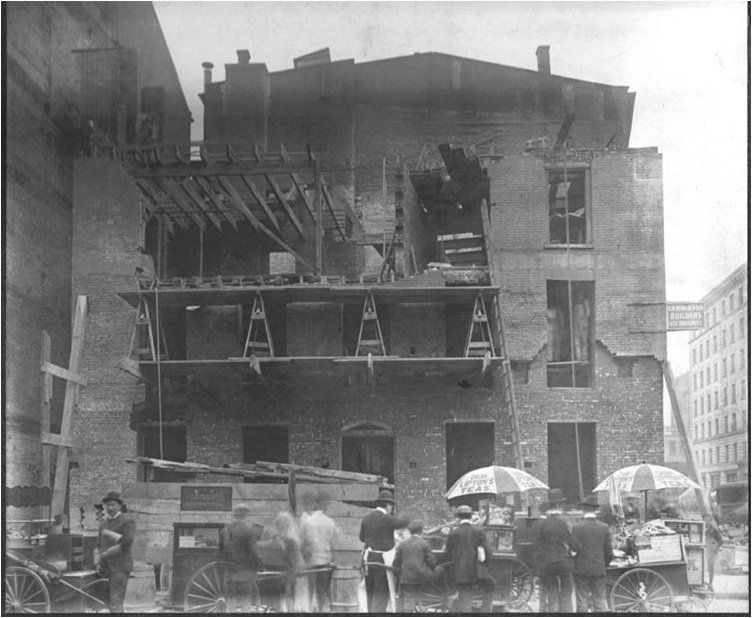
<point>244,56</point>
<point>208,66</point>
<point>544,59</point>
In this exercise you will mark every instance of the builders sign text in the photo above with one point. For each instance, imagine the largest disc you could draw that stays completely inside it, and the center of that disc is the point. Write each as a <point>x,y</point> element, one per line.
<point>684,316</point>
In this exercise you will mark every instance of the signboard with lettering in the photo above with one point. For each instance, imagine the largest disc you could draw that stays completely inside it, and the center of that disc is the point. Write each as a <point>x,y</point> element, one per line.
<point>684,316</point>
<point>205,498</point>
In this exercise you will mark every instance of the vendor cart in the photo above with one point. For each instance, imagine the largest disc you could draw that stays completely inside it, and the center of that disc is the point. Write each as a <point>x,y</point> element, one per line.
<point>36,587</point>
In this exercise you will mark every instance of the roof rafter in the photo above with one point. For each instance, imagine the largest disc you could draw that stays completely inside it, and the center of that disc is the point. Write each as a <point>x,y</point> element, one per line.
<point>283,202</point>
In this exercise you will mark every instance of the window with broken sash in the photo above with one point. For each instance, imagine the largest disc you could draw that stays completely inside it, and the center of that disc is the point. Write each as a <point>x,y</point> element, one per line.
<point>568,207</point>
<point>570,312</point>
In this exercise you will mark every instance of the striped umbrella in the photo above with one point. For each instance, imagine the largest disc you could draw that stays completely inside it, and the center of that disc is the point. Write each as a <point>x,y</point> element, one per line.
<point>645,477</point>
<point>493,480</point>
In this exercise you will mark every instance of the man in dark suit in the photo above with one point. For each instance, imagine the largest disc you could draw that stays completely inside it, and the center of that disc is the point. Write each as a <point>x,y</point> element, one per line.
<point>239,548</point>
<point>552,546</point>
<point>470,553</point>
<point>377,534</point>
<point>112,556</point>
<point>591,540</point>
<point>415,562</point>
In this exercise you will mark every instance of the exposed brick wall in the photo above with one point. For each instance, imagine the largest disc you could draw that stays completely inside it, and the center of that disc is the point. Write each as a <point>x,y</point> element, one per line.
<point>42,118</point>
<point>625,259</point>
<point>105,237</point>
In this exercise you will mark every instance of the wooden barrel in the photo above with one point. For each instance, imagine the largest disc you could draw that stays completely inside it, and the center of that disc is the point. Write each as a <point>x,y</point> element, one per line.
<point>140,595</point>
<point>344,590</point>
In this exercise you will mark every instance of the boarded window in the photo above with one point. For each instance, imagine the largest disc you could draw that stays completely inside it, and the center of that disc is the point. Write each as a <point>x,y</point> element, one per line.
<point>570,329</point>
<point>567,207</point>
<point>565,441</point>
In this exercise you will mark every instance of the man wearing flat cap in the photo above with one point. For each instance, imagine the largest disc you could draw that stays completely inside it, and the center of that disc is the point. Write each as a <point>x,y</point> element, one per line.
<point>469,551</point>
<point>591,540</point>
<point>112,557</point>
<point>377,534</point>
<point>416,563</point>
<point>553,552</point>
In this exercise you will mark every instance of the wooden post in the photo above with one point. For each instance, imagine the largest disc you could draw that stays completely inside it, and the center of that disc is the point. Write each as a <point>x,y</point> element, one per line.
<point>319,220</point>
<point>45,408</point>
<point>71,397</point>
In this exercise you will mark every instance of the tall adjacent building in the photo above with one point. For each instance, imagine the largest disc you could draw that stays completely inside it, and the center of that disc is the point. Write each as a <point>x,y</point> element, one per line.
<point>719,418</point>
<point>82,78</point>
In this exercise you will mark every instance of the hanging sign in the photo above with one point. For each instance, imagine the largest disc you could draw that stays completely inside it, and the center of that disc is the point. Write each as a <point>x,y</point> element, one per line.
<point>684,316</point>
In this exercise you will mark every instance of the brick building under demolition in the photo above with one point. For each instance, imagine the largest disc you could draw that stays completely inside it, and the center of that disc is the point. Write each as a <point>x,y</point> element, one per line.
<point>558,239</point>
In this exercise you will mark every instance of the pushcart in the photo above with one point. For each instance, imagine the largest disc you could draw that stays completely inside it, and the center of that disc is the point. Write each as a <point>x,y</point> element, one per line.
<point>37,587</point>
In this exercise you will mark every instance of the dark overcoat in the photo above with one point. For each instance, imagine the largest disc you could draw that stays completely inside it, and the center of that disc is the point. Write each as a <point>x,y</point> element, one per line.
<point>591,539</point>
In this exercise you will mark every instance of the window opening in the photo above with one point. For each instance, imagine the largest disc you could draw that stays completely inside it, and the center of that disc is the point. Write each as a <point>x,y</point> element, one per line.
<point>368,448</point>
<point>266,443</point>
<point>468,446</point>
<point>570,326</point>
<point>174,448</point>
<point>573,477</point>
<point>567,211</point>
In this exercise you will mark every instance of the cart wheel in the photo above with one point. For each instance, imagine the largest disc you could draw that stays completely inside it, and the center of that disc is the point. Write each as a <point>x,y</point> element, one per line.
<point>703,594</point>
<point>208,591</point>
<point>641,590</point>
<point>514,583</point>
<point>25,592</point>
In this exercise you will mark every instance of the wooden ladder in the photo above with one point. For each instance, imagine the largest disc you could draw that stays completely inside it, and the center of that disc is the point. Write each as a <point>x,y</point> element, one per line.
<point>258,342</point>
<point>370,339</point>
<point>143,341</point>
<point>508,386</point>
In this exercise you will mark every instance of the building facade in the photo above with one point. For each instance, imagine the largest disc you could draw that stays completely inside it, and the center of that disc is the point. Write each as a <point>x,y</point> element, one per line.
<point>719,370</point>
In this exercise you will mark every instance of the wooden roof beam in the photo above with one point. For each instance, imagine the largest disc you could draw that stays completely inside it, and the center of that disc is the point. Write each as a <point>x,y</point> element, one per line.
<point>281,198</point>
<point>168,194</point>
<point>195,197</point>
<point>220,168</point>
<point>262,201</point>
<point>207,187</point>
<point>151,193</point>
<point>193,201</point>
<point>258,225</point>
<point>329,205</point>
<point>298,183</point>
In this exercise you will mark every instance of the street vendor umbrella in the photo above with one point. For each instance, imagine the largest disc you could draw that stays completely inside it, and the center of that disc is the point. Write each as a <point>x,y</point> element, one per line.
<point>645,477</point>
<point>493,480</point>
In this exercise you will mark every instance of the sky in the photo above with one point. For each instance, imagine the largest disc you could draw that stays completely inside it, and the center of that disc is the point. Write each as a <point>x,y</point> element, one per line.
<point>687,62</point>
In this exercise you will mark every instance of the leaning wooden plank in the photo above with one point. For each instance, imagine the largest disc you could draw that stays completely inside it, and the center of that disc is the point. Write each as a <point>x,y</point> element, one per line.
<point>240,205</point>
<point>301,192</point>
<point>260,199</point>
<point>285,206</point>
<point>316,471</point>
<point>45,408</point>
<point>71,398</point>
<point>330,206</point>
<point>55,439</point>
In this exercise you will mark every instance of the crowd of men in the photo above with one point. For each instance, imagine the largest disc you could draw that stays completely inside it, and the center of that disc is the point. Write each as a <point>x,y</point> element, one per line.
<point>567,560</point>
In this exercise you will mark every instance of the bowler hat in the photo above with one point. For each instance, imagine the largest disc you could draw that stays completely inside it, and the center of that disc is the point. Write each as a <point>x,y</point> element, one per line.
<point>591,502</point>
<point>556,496</point>
<point>112,496</point>
<point>463,509</point>
<point>385,496</point>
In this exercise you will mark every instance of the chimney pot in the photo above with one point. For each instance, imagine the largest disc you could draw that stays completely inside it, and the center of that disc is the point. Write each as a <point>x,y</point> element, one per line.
<point>244,56</point>
<point>544,59</point>
<point>208,66</point>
